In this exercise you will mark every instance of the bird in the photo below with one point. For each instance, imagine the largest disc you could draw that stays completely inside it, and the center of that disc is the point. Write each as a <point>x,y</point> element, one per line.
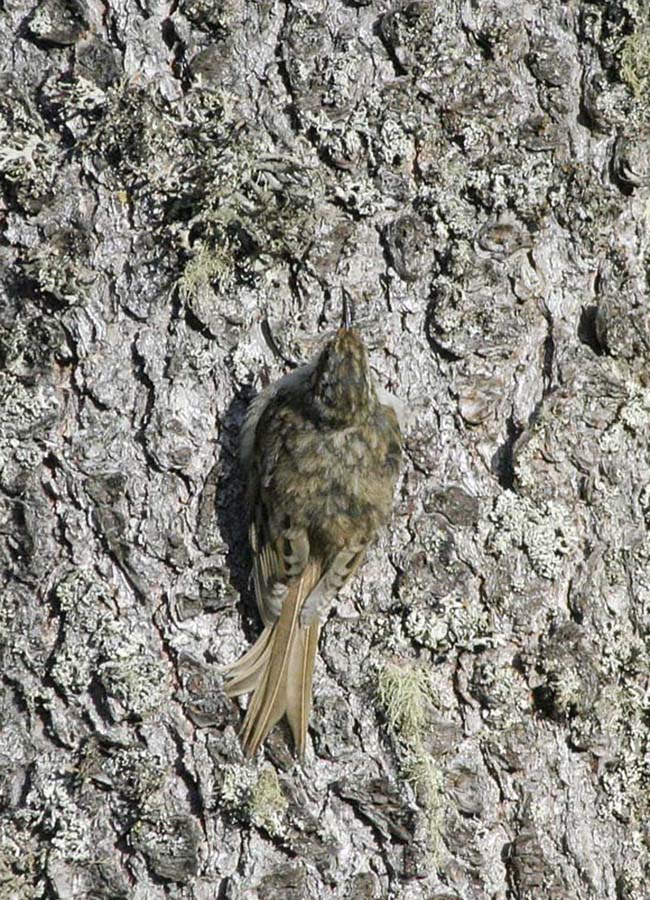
<point>322,448</point>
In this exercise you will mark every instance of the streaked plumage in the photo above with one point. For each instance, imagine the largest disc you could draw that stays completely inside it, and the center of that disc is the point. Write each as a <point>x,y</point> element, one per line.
<point>322,452</point>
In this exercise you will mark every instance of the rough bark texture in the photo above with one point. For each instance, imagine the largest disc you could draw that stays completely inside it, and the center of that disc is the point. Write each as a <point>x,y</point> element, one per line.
<point>179,182</point>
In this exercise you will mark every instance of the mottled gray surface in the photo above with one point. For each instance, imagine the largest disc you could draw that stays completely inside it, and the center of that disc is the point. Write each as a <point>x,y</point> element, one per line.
<point>178,180</point>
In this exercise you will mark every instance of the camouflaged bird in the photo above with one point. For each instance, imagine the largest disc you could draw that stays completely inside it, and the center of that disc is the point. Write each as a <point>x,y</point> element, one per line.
<point>322,449</point>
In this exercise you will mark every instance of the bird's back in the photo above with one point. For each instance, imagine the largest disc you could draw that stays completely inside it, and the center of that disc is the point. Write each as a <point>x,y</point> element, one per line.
<point>337,483</point>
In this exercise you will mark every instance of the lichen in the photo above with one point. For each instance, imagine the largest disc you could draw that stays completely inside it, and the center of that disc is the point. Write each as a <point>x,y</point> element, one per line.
<point>137,775</point>
<point>459,620</point>
<point>97,642</point>
<point>423,773</point>
<point>23,407</point>
<point>268,805</point>
<point>206,267</point>
<point>624,711</point>
<point>630,425</point>
<point>405,694</point>
<point>568,690</point>
<point>29,157</point>
<point>254,797</point>
<point>56,268</point>
<point>85,607</point>
<point>25,410</point>
<point>130,671</point>
<point>215,193</point>
<point>83,598</point>
<point>501,691</point>
<point>635,62</point>
<point>73,669</point>
<point>52,807</point>
<point>633,879</point>
<point>20,863</point>
<point>546,531</point>
<point>237,784</point>
<point>426,627</point>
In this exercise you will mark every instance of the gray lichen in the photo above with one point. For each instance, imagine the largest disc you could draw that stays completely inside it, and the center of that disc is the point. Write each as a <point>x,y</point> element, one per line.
<point>548,534</point>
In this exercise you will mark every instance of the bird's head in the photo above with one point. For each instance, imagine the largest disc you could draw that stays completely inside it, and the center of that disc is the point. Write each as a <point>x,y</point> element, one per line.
<point>343,388</point>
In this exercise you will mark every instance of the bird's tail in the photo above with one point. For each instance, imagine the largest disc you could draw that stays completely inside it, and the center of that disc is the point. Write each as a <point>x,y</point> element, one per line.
<point>279,669</point>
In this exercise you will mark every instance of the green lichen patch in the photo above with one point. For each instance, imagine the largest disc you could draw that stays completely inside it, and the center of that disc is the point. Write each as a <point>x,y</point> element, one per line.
<point>254,797</point>
<point>27,413</point>
<point>74,104</point>
<point>459,620</point>
<point>55,267</point>
<point>32,343</point>
<point>405,694</point>
<point>29,157</point>
<point>631,424</point>
<point>131,672</point>
<point>23,406</point>
<point>20,865</point>
<point>52,806</point>
<point>205,268</point>
<point>635,62</point>
<point>624,707</point>
<point>268,804</point>
<point>205,181</point>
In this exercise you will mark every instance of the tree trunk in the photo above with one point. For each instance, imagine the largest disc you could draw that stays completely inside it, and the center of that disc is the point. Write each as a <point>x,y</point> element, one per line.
<point>187,189</point>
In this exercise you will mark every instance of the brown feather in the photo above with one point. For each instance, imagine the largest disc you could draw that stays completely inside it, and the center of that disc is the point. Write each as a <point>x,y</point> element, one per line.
<point>279,671</point>
<point>243,675</point>
<point>299,682</point>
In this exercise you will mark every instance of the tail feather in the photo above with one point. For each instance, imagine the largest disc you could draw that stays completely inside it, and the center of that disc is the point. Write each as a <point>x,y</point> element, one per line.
<point>245,683</point>
<point>279,669</point>
<point>247,665</point>
<point>301,670</point>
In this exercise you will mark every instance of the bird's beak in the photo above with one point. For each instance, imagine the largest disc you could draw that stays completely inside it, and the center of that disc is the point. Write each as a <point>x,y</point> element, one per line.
<point>346,316</point>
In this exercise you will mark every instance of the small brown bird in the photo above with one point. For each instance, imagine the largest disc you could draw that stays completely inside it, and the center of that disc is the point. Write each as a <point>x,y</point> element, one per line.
<point>322,448</point>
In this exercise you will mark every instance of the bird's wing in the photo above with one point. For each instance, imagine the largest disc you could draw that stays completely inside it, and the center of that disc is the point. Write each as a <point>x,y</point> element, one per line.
<point>338,573</point>
<point>280,555</point>
<point>279,667</point>
<point>254,412</point>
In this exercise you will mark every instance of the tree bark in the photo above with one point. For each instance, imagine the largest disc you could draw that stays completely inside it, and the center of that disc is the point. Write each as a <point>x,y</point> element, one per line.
<point>187,189</point>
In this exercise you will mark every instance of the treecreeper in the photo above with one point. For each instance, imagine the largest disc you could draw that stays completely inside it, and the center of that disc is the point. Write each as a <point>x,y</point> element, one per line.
<point>322,449</point>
